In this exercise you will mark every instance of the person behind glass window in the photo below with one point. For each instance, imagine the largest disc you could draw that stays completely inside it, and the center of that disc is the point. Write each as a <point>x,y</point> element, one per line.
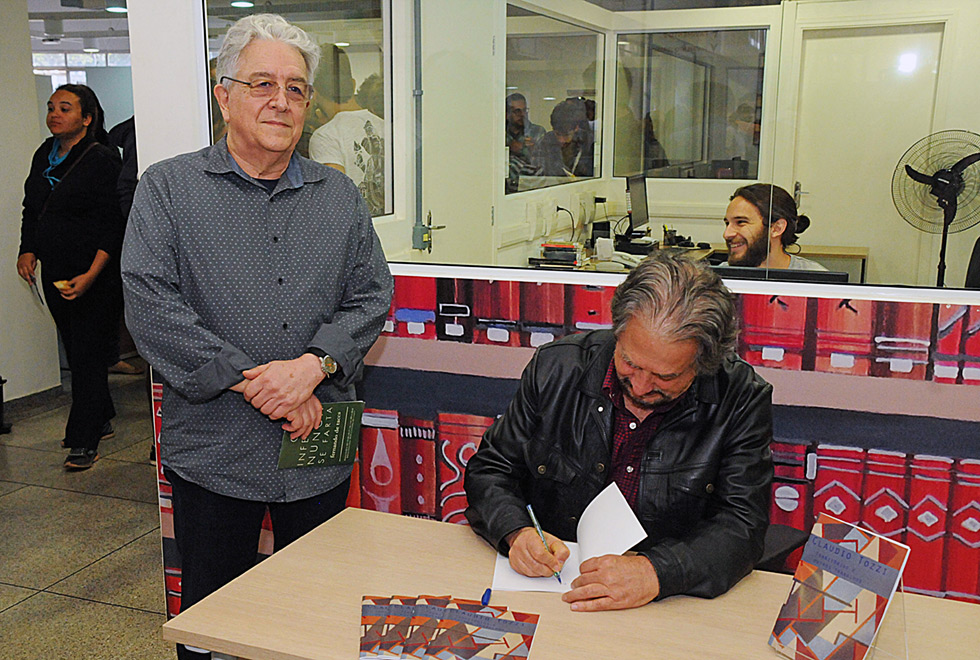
<point>352,139</point>
<point>73,226</point>
<point>521,135</point>
<point>760,224</point>
<point>744,133</point>
<point>654,155</point>
<point>371,95</point>
<point>566,150</point>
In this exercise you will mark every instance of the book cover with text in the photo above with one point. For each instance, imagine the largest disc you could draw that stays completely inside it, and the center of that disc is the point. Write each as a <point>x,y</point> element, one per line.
<point>840,594</point>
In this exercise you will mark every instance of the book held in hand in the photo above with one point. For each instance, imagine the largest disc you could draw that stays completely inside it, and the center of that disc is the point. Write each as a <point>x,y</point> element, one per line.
<point>843,585</point>
<point>334,442</point>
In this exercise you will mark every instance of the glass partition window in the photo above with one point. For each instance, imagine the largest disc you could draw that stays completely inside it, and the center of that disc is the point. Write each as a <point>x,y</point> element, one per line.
<point>348,125</point>
<point>63,68</point>
<point>553,101</point>
<point>689,104</point>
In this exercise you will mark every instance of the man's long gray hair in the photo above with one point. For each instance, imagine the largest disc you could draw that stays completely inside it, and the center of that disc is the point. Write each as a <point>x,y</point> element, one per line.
<point>270,27</point>
<point>679,299</point>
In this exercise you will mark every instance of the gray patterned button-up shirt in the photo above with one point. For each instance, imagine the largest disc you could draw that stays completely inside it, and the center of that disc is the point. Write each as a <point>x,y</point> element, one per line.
<point>220,276</point>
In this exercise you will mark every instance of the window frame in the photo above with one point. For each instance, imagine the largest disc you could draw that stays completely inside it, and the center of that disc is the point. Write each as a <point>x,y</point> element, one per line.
<point>601,50</point>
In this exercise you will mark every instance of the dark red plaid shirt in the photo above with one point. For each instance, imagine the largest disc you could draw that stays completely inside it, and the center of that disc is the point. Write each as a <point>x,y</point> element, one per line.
<point>630,437</point>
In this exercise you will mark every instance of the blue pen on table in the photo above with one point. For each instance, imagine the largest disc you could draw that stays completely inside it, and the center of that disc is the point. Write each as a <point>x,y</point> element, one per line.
<point>537,526</point>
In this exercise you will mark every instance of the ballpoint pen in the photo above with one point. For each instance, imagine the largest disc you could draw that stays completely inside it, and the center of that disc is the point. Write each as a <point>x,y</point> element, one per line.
<point>537,526</point>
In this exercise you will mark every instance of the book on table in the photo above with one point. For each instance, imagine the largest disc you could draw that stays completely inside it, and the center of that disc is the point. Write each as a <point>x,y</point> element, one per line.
<point>841,591</point>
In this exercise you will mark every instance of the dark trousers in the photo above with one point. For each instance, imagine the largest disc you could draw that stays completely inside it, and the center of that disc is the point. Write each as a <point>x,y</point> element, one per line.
<point>87,326</point>
<point>218,536</point>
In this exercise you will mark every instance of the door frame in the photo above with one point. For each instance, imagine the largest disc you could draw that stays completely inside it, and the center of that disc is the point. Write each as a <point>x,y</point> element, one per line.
<point>805,16</point>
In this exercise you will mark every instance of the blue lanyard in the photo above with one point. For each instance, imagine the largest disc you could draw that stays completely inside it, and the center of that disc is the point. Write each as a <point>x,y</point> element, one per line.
<point>54,160</point>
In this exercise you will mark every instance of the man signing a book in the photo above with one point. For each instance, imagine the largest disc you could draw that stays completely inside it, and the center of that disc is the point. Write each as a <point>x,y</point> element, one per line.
<point>254,285</point>
<point>662,406</point>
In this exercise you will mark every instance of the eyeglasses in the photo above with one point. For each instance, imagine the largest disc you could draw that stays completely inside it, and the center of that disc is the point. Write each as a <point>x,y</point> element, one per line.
<point>296,92</point>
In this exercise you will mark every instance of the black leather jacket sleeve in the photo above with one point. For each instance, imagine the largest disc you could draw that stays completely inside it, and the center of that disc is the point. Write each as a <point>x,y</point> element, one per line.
<point>706,476</point>
<point>496,501</point>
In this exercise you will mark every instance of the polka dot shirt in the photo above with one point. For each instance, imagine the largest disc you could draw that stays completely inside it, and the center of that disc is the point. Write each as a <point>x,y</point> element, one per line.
<point>220,276</point>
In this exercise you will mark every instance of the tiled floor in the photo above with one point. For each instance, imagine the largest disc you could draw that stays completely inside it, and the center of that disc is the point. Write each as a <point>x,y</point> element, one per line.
<point>80,567</point>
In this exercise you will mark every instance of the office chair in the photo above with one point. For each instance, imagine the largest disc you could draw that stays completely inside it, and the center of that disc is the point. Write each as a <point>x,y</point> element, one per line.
<point>973,270</point>
<point>781,541</point>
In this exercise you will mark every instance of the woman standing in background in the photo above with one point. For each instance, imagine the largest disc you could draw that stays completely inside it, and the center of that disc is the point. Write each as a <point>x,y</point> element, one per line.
<point>72,224</point>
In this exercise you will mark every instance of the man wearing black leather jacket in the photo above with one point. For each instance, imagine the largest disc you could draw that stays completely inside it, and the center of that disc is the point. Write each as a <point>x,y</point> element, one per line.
<point>661,405</point>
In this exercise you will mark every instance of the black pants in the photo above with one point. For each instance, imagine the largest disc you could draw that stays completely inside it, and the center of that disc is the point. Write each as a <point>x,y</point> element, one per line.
<point>218,536</point>
<point>87,326</point>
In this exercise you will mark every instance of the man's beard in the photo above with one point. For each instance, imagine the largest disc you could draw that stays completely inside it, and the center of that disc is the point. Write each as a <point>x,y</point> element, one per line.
<point>756,252</point>
<point>643,403</point>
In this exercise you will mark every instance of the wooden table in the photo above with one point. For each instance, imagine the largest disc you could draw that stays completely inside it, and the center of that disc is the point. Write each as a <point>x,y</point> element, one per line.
<point>304,602</point>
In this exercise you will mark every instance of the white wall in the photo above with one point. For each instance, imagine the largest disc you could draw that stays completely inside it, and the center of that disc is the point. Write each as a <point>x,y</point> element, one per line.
<point>167,44</point>
<point>114,87</point>
<point>28,342</point>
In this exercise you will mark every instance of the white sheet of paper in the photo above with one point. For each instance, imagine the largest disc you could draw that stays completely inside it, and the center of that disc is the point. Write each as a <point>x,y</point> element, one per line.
<point>608,526</point>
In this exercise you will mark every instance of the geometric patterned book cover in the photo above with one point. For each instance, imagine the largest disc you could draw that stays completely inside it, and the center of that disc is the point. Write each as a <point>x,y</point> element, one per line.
<point>443,628</point>
<point>373,614</point>
<point>841,591</point>
<point>422,627</point>
<point>469,630</point>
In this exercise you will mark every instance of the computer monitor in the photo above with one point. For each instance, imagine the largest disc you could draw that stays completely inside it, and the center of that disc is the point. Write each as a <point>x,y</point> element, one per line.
<point>639,211</point>
<point>780,274</point>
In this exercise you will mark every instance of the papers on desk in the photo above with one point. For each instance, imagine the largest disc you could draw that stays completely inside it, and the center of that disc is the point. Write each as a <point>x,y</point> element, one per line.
<point>608,526</point>
<point>442,628</point>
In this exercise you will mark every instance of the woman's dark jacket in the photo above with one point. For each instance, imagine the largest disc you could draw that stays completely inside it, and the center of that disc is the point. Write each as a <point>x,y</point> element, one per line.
<point>82,214</point>
<point>706,474</point>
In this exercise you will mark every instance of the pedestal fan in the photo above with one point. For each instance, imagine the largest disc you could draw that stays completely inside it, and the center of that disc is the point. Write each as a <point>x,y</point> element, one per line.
<point>936,186</point>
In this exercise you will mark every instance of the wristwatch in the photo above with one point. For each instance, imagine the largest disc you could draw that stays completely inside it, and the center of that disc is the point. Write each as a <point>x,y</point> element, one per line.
<point>327,364</point>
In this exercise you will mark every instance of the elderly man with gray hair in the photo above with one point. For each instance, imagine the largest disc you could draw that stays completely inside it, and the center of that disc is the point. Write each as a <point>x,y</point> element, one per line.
<point>254,285</point>
<point>662,406</point>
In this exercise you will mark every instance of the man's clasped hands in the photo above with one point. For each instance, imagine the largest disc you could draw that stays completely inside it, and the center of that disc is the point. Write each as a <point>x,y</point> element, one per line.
<point>283,389</point>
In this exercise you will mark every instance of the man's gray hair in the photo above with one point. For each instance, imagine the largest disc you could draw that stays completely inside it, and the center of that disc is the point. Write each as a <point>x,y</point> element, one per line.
<point>270,27</point>
<point>679,299</point>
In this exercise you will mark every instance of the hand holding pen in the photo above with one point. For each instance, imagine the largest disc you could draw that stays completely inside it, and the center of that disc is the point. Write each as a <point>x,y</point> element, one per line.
<point>535,553</point>
<point>537,528</point>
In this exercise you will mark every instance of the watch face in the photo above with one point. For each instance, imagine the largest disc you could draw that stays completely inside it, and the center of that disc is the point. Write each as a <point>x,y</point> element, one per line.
<point>328,365</point>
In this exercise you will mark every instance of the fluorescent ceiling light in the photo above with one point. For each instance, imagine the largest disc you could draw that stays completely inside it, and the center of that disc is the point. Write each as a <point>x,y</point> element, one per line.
<point>341,44</point>
<point>116,6</point>
<point>243,4</point>
<point>90,45</point>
